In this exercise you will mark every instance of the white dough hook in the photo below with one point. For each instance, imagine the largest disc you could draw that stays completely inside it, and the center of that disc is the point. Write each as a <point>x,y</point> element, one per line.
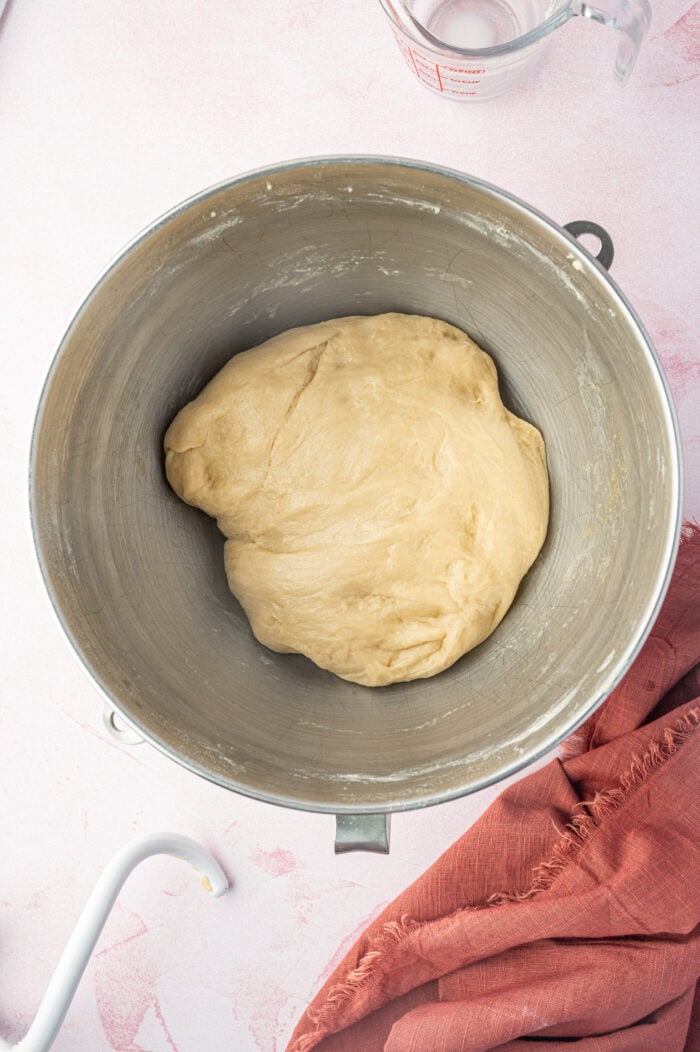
<point>74,959</point>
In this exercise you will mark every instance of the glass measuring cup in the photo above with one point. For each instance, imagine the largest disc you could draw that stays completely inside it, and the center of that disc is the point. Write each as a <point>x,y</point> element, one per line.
<point>473,50</point>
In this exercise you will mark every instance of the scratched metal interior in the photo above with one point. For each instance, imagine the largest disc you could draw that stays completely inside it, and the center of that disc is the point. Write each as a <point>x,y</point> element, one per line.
<point>137,577</point>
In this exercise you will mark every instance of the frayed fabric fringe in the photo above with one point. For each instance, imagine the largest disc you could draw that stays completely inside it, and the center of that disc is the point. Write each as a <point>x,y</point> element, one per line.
<point>587,817</point>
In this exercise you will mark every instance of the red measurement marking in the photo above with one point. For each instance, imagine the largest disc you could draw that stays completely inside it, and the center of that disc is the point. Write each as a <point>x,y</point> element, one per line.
<point>419,73</point>
<point>428,72</point>
<point>413,60</point>
<point>456,69</point>
<point>424,70</point>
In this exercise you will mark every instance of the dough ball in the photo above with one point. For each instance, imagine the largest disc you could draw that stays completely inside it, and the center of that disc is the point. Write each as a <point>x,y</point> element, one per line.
<point>380,504</point>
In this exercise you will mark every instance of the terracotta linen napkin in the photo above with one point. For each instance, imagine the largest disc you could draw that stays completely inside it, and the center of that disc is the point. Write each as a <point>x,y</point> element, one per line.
<point>569,914</point>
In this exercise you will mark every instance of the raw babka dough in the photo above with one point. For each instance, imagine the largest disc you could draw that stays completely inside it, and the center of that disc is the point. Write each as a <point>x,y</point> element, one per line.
<point>380,503</point>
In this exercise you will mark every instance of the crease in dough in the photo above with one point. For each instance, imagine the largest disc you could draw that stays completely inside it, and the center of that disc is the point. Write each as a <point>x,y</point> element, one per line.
<point>380,503</point>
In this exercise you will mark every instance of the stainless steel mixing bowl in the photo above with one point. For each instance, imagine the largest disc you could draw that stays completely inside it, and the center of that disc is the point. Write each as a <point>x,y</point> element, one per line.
<point>137,577</point>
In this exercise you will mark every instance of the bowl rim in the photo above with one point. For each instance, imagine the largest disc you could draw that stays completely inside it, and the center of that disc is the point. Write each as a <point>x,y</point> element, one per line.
<point>646,621</point>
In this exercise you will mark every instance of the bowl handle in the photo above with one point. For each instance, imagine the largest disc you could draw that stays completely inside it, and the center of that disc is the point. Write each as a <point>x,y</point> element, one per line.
<point>362,833</point>
<point>606,252</point>
<point>118,728</point>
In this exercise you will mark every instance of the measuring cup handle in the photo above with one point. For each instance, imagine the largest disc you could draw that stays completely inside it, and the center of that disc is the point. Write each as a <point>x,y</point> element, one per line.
<point>630,18</point>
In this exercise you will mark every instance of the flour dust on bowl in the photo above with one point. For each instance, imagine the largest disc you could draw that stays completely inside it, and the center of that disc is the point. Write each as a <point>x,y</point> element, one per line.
<point>137,577</point>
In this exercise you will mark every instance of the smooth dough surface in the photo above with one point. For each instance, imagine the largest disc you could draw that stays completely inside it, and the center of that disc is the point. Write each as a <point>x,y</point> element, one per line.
<point>380,504</point>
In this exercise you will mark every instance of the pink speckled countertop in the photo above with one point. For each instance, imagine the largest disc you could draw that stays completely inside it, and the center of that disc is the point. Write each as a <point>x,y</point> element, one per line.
<point>109,114</point>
